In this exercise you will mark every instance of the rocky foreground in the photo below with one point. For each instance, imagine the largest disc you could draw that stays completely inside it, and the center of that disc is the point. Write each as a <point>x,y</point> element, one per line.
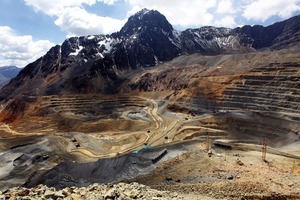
<point>118,191</point>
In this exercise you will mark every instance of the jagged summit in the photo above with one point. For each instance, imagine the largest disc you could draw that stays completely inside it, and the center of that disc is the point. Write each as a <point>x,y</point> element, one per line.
<point>101,63</point>
<point>144,11</point>
<point>146,20</point>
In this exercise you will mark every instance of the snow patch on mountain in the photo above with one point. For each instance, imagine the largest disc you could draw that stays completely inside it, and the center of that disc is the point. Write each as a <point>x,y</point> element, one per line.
<point>99,55</point>
<point>107,43</point>
<point>77,51</point>
<point>90,37</point>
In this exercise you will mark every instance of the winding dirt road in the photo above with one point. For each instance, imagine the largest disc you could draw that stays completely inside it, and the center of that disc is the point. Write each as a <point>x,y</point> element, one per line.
<point>152,136</point>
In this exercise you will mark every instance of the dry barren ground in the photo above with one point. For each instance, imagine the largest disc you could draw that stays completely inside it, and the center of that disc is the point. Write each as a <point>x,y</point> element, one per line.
<point>227,174</point>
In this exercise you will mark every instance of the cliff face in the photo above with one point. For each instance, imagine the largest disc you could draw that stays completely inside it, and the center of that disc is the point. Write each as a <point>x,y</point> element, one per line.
<point>101,63</point>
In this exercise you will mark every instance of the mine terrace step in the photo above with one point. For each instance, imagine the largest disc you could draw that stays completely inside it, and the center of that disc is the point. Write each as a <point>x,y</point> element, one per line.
<point>89,98</point>
<point>263,94</point>
<point>54,102</point>
<point>287,90</point>
<point>280,65</point>
<point>295,91</point>
<point>271,77</point>
<point>79,105</point>
<point>290,115</point>
<point>247,99</point>
<point>263,83</point>
<point>256,106</point>
<point>244,102</point>
<point>95,100</point>
<point>277,71</point>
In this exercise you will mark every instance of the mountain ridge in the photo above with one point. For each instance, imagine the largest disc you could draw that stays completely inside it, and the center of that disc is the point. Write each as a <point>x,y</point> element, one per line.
<point>100,63</point>
<point>7,73</point>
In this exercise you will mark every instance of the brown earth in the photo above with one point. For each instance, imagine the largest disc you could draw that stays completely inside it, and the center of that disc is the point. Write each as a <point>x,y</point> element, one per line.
<point>229,174</point>
<point>192,98</point>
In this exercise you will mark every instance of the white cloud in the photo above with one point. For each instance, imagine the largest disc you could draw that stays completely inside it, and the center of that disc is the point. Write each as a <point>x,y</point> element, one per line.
<point>71,16</point>
<point>74,19</point>
<point>183,13</point>
<point>77,21</point>
<point>262,10</point>
<point>56,7</point>
<point>109,2</point>
<point>225,6</point>
<point>20,50</point>
<point>196,13</point>
<point>226,21</point>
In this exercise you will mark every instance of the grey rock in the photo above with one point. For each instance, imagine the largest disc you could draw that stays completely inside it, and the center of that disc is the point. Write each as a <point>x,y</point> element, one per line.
<point>49,193</point>
<point>59,194</point>
<point>110,194</point>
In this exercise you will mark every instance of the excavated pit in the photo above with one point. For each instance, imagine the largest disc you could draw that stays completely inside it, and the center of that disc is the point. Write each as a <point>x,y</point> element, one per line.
<point>89,139</point>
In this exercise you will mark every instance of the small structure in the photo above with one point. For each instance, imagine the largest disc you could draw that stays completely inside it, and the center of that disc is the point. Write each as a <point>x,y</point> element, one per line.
<point>73,140</point>
<point>264,149</point>
<point>208,145</point>
<point>209,153</point>
<point>239,162</point>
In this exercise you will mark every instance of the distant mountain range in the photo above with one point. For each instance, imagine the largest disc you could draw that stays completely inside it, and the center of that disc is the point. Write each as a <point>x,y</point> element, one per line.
<point>7,73</point>
<point>101,63</point>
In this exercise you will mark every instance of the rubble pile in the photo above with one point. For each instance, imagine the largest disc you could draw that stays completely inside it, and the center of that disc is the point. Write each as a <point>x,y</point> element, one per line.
<point>96,191</point>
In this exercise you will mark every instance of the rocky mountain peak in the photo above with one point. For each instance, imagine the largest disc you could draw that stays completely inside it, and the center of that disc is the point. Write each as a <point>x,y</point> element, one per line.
<point>101,63</point>
<point>146,20</point>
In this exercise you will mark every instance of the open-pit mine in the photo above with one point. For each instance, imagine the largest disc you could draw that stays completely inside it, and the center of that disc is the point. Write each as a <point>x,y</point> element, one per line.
<point>217,126</point>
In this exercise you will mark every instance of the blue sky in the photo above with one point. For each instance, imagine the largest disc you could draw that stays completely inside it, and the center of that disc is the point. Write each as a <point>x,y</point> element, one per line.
<point>28,28</point>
